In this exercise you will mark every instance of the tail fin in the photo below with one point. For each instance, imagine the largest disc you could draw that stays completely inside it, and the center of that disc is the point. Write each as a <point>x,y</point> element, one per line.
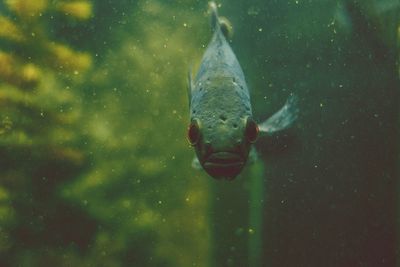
<point>220,23</point>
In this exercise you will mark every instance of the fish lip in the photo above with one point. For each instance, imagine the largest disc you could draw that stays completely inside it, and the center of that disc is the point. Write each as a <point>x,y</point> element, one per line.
<point>224,159</point>
<point>224,165</point>
<point>209,165</point>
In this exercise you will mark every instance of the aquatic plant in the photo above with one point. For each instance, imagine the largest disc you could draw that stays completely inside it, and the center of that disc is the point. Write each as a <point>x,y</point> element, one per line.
<point>39,131</point>
<point>123,203</point>
<point>151,206</point>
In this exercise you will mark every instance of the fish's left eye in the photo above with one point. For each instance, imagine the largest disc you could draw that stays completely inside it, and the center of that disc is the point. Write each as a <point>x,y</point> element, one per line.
<point>193,133</point>
<point>251,131</point>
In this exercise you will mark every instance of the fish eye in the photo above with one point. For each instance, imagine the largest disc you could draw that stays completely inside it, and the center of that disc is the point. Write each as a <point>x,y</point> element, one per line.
<point>193,133</point>
<point>251,131</point>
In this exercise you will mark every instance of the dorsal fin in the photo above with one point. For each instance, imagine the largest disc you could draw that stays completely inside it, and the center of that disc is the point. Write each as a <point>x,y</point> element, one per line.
<point>219,23</point>
<point>212,7</point>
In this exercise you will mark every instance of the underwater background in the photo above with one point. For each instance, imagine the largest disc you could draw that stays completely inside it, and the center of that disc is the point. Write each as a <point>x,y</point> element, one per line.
<point>95,169</point>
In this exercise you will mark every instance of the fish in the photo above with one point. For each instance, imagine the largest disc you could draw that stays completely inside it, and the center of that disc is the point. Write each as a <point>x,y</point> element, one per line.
<point>222,129</point>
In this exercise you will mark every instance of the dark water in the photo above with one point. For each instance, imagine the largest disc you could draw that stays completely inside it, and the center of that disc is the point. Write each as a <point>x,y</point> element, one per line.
<point>95,168</point>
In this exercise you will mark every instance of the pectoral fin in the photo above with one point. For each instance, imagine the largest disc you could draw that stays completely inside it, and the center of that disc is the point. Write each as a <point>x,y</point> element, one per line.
<point>196,164</point>
<point>282,119</point>
<point>253,155</point>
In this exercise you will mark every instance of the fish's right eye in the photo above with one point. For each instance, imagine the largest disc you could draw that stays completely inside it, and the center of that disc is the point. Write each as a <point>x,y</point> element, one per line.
<point>193,133</point>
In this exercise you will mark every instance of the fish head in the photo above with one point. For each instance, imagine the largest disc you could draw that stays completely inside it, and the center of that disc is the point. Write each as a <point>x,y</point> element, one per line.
<point>222,145</point>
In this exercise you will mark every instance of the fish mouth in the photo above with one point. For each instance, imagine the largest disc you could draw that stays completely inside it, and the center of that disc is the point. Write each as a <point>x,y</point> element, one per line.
<point>225,165</point>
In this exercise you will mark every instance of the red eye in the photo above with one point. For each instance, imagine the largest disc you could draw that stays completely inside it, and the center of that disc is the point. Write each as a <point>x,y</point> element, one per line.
<point>251,130</point>
<point>193,132</point>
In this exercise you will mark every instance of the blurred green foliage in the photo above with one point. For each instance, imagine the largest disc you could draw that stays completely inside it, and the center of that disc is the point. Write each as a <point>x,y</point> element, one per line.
<point>95,171</point>
<point>151,207</point>
<point>39,135</point>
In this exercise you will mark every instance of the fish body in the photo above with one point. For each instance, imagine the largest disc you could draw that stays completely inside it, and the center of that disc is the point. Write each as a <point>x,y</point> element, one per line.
<point>222,128</point>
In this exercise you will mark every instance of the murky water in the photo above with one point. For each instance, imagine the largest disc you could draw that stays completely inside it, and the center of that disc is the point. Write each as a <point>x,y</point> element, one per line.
<point>96,169</point>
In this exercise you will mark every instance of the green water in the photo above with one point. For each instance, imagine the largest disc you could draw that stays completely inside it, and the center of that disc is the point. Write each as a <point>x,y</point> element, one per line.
<point>95,169</point>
